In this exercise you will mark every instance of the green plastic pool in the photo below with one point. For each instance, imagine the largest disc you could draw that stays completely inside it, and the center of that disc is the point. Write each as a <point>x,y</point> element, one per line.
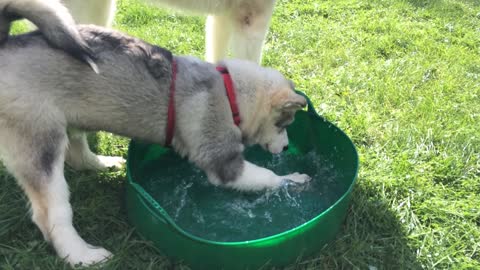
<point>309,135</point>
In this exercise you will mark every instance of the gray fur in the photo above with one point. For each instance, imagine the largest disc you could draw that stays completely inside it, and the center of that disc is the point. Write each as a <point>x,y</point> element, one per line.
<point>130,96</point>
<point>53,20</point>
<point>49,149</point>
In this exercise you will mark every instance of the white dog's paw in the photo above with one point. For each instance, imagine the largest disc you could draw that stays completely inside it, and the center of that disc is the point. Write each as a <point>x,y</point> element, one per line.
<point>89,256</point>
<point>105,162</point>
<point>298,178</point>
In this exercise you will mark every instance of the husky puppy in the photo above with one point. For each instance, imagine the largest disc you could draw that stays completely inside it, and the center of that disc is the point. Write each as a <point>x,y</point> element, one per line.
<point>44,91</point>
<point>242,24</point>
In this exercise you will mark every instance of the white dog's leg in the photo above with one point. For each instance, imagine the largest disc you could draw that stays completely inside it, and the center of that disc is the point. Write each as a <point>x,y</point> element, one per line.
<point>36,160</point>
<point>217,37</point>
<point>99,12</point>
<point>80,157</point>
<point>250,26</point>
<point>254,178</point>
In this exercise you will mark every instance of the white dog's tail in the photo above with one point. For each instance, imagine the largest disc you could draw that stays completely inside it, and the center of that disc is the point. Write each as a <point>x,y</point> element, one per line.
<point>53,20</point>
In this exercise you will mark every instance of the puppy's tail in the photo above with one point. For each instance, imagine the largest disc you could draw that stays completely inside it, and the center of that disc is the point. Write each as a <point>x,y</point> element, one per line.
<point>54,22</point>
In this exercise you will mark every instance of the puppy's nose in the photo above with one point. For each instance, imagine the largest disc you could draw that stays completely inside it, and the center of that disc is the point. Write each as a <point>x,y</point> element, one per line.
<point>285,148</point>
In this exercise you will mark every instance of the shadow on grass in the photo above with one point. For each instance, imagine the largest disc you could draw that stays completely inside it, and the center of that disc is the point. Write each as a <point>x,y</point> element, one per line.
<point>372,238</point>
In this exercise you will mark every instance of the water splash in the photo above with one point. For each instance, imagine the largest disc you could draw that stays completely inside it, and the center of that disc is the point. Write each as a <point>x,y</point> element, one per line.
<point>225,215</point>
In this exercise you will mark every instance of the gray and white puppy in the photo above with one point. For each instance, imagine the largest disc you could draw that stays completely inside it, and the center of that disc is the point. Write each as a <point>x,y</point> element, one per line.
<point>44,91</point>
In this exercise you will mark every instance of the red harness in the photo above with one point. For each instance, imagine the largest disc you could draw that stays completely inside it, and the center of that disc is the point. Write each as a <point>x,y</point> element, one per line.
<point>227,80</point>
<point>230,89</point>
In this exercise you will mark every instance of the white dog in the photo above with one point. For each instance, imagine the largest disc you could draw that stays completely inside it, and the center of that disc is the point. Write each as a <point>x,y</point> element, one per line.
<point>242,24</point>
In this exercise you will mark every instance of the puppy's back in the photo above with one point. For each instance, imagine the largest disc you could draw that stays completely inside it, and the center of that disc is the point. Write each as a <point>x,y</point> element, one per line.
<point>133,82</point>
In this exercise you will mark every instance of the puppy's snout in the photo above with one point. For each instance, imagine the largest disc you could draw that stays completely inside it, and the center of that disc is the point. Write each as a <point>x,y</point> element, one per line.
<point>285,148</point>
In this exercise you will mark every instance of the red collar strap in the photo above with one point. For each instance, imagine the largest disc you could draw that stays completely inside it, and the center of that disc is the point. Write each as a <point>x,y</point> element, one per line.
<point>171,106</point>
<point>227,79</point>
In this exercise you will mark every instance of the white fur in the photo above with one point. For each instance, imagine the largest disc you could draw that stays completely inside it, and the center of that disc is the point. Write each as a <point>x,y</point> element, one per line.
<point>65,239</point>
<point>98,12</point>
<point>49,198</point>
<point>278,143</point>
<point>218,30</point>
<point>254,178</point>
<point>240,24</point>
<point>80,157</point>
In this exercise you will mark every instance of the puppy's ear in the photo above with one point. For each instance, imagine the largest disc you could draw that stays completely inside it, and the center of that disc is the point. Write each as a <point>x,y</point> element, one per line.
<point>295,105</point>
<point>288,101</point>
<point>158,62</point>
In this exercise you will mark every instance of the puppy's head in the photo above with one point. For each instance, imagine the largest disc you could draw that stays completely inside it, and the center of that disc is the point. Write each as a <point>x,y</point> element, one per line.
<point>284,103</point>
<point>272,103</point>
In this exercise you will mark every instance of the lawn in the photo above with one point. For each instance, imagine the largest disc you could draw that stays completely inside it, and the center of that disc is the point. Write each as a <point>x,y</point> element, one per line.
<point>401,77</point>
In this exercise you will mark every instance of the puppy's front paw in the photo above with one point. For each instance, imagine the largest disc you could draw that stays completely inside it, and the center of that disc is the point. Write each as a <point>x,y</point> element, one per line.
<point>298,178</point>
<point>105,162</point>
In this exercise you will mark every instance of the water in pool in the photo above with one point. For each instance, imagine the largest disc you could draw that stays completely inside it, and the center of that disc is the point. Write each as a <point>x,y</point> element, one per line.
<point>220,214</point>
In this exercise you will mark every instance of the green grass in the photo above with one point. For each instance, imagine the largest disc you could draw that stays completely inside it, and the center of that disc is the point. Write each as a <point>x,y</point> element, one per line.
<point>402,78</point>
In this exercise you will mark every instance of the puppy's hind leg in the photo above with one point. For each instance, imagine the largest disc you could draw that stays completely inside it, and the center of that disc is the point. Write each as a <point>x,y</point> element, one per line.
<point>80,157</point>
<point>36,160</point>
